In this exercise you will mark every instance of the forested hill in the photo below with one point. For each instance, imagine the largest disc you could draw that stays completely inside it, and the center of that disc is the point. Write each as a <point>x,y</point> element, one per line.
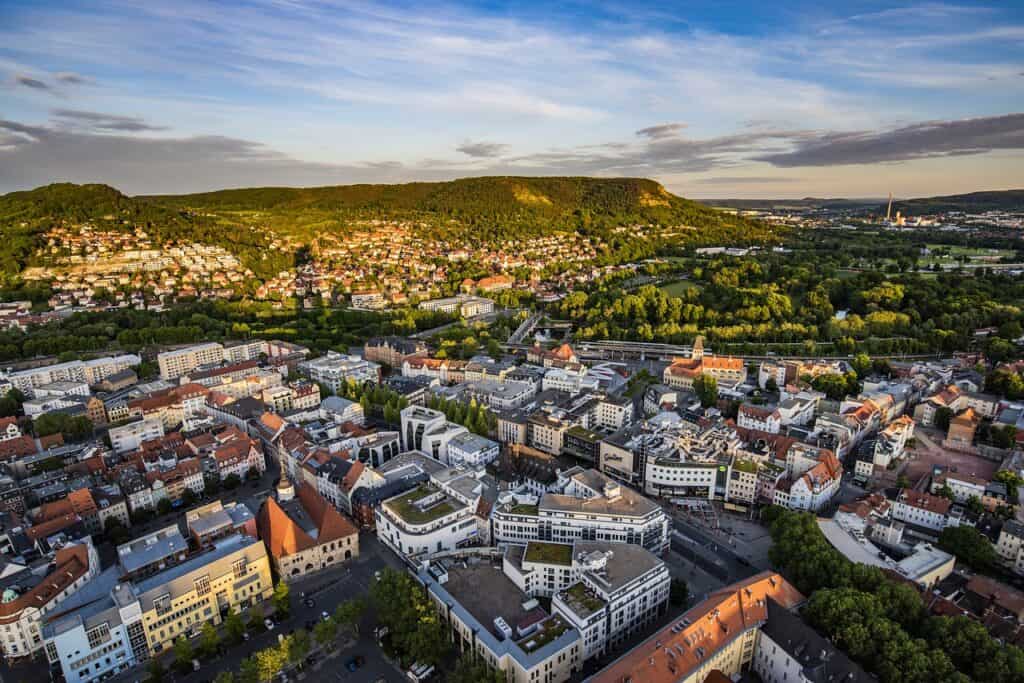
<point>489,207</point>
<point>25,215</point>
<point>479,210</point>
<point>997,200</point>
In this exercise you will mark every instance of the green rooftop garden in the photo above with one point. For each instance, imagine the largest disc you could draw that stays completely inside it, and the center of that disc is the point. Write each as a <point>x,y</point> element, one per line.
<point>548,553</point>
<point>405,506</point>
<point>748,466</point>
<point>579,597</point>
<point>523,509</point>
<point>548,631</point>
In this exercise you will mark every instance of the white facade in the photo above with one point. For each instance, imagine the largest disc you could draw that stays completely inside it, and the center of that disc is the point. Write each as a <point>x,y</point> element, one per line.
<point>174,364</point>
<point>471,450</point>
<point>427,430</point>
<point>589,506</point>
<point>425,521</point>
<point>128,437</point>
<point>336,369</point>
<point>91,372</point>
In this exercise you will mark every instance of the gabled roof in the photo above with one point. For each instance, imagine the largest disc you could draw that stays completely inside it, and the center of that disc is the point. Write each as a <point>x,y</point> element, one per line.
<point>284,536</point>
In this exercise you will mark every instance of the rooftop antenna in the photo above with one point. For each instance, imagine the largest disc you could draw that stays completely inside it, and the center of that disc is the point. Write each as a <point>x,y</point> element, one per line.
<point>888,212</point>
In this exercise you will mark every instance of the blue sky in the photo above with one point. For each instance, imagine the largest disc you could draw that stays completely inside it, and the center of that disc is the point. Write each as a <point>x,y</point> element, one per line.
<point>713,99</point>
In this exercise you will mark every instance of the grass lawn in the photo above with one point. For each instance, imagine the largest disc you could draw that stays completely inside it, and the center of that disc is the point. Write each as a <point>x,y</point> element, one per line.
<point>548,553</point>
<point>678,287</point>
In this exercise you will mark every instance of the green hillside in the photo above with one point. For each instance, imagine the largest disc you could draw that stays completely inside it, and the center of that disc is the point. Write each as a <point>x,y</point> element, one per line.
<point>483,209</point>
<point>480,210</point>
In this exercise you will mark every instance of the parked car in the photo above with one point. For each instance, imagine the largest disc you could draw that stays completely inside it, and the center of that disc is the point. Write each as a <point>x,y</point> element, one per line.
<point>355,663</point>
<point>269,624</point>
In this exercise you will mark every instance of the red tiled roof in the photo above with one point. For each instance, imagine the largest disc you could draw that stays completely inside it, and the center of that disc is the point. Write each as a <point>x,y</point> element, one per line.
<point>710,626</point>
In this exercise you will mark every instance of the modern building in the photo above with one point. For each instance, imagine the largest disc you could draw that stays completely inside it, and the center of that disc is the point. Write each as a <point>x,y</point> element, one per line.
<point>606,591</point>
<point>464,305</point>
<point>128,437</point>
<point>471,450</point>
<point>425,520</point>
<point>490,616</point>
<point>336,369</point>
<point>429,431</point>
<point>588,506</point>
<point>304,533</point>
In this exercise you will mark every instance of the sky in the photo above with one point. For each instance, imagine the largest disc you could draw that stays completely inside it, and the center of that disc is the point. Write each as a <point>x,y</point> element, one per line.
<point>714,99</point>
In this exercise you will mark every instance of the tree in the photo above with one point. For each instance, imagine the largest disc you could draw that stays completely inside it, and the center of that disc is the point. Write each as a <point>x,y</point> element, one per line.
<point>679,593</point>
<point>902,482</point>
<point>942,417</point>
<point>155,670</point>
<point>472,669</point>
<point>234,626</point>
<point>224,677</point>
<point>413,622</point>
<point>706,388</point>
<point>115,531</point>
<point>861,364</point>
<point>325,631</point>
<point>1003,437</point>
<point>231,482</point>
<point>249,671</point>
<point>282,604</point>
<point>188,497</point>
<point>349,612</point>
<point>164,506</point>
<point>771,386</point>
<point>271,660</point>
<point>183,655</point>
<point>969,546</point>
<point>299,645</point>
<point>209,641</point>
<point>255,621</point>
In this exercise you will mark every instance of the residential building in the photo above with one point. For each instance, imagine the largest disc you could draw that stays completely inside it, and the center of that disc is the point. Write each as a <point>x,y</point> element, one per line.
<point>31,592</point>
<point>174,364</point>
<point>923,510</point>
<point>790,650</point>
<point>126,622</point>
<point>128,437</point>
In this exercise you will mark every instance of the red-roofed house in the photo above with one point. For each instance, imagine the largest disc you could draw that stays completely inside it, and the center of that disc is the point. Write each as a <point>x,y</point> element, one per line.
<point>304,533</point>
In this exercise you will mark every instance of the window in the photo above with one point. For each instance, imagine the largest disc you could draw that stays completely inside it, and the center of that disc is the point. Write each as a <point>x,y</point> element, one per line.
<point>98,635</point>
<point>162,604</point>
<point>240,568</point>
<point>202,584</point>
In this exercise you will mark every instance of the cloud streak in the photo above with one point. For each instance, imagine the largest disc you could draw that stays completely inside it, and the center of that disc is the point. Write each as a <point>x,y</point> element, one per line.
<point>482,150</point>
<point>922,140</point>
<point>104,122</point>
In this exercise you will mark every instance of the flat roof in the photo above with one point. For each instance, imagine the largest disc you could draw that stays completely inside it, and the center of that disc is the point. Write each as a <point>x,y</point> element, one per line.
<point>151,548</point>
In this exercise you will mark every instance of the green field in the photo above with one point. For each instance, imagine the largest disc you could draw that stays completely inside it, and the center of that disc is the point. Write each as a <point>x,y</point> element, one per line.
<point>678,287</point>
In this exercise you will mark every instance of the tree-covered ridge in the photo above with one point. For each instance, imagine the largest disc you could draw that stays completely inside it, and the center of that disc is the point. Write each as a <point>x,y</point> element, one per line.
<point>997,200</point>
<point>26,216</point>
<point>487,208</point>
